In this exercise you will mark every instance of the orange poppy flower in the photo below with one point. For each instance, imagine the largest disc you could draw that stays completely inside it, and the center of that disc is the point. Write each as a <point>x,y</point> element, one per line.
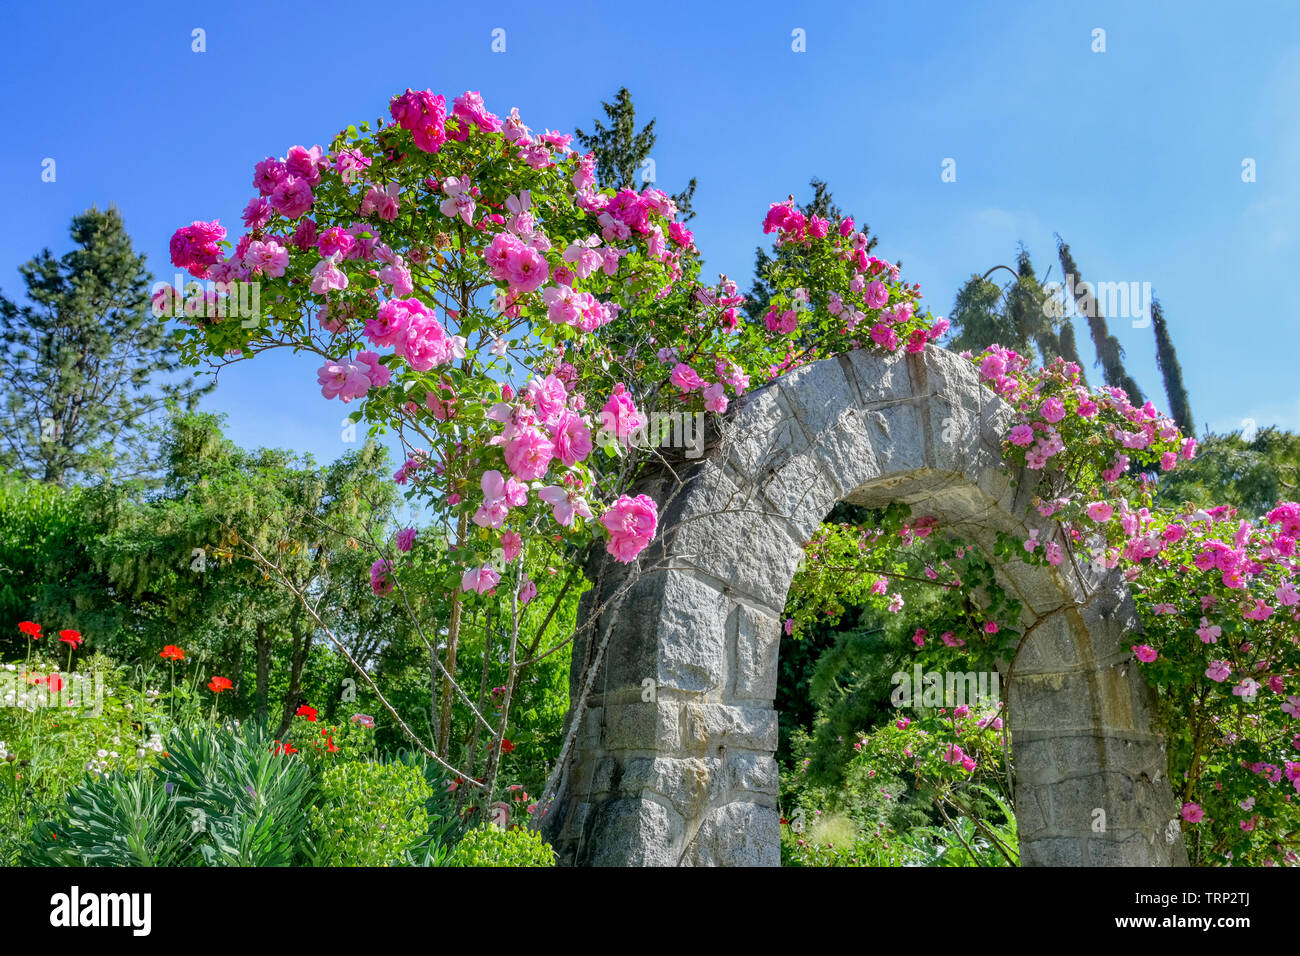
<point>172,653</point>
<point>218,684</point>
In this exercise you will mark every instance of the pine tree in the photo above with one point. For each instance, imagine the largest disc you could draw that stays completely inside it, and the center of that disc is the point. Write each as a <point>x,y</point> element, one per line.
<point>1109,353</point>
<point>80,364</point>
<point>620,150</point>
<point>1167,361</point>
<point>822,204</point>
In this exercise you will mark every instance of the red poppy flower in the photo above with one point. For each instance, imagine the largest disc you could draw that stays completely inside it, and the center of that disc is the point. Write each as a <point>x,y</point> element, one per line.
<point>70,637</point>
<point>218,684</point>
<point>172,653</point>
<point>31,629</point>
<point>506,746</point>
<point>308,712</point>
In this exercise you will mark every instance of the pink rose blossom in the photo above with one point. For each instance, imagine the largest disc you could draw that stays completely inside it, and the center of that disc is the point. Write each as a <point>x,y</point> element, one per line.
<point>631,525</point>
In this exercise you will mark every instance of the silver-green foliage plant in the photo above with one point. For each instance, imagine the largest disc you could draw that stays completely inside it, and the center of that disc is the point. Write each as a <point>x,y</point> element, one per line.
<point>222,796</point>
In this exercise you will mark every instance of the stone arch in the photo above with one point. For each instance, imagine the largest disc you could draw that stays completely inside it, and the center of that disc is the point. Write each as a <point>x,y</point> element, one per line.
<point>689,778</point>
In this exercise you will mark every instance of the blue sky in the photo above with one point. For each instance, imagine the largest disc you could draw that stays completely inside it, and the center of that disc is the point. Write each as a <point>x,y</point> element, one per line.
<point>1133,155</point>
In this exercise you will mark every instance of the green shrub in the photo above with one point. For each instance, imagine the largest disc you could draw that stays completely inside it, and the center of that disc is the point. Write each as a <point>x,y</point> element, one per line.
<point>119,819</point>
<point>493,846</point>
<point>217,797</point>
<point>369,814</point>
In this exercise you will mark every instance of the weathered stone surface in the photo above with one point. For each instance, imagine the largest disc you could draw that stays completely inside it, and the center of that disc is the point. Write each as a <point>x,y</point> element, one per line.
<point>690,779</point>
<point>635,831</point>
<point>711,727</point>
<point>752,773</point>
<point>757,642</point>
<point>692,646</point>
<point>652,725</point>
<point>736,834</point>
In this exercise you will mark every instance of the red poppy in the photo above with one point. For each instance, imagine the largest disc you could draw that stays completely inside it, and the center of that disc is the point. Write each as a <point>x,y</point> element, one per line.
<point>31,629</point>
<point>70,637</point>
<point>172,653</point>
<point>506,746</point>
<point>308,712</point>
<point>279,748</point>
<point>218,684</point>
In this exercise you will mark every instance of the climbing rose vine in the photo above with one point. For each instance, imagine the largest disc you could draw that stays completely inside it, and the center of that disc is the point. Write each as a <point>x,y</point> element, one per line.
<point>465,285</point>
<point>462,279</point>
<point>1216,591</point>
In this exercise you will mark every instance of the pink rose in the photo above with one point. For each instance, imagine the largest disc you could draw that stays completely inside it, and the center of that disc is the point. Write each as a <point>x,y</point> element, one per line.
<point>529,454</point>
<point>631,524</point>
<point>480,579</point>
<point>1100,512</point>
<point>619,414</point>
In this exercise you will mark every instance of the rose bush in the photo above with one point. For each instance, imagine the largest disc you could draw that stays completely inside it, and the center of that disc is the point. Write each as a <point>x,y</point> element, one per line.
<point>462,279</point>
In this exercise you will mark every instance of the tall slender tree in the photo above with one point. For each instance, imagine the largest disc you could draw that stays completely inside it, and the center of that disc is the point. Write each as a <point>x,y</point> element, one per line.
<point>1110,355</point>
<point>1070,348</point>
<point>620,150</point>
<point>1180,407</point>
<point>1025,308</point>
<point>84,363</point>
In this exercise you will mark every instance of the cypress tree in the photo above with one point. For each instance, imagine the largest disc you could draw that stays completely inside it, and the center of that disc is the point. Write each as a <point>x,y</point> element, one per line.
<point>1070,349</point>
<point>1167,361</point>
<point>1109,353</point>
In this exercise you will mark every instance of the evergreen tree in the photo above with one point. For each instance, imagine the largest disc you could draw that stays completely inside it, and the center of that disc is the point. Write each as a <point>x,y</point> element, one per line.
<point>1167,361</point>
<point>1070,348</point>
<point>1252,476</point>
<point>1025,309</point>
<point>620,150</point>
<point>1109,353</point>
<point>979,320</point>
<point>80,365</point>
<point>822,204</point>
